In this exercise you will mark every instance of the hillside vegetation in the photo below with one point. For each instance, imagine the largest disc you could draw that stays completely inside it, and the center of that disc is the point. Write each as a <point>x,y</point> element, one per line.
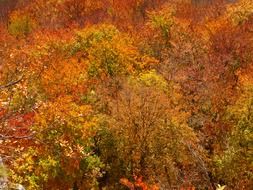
<point>127,94</point>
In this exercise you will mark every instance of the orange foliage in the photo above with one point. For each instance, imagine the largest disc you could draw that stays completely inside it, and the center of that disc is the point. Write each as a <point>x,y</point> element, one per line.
<point>91,90</point>
<point>138,183</point>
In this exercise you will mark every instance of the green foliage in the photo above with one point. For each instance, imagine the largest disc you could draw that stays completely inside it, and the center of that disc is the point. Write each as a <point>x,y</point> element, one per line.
<point>62,151</point>
<point>162,21</point>
<point>106,59</point>
<point>153,79</point>
<point>108,52</point>
<point>20,25</point>
<point>2,171</point>
<point>91,36</point>
<point>237,159</point>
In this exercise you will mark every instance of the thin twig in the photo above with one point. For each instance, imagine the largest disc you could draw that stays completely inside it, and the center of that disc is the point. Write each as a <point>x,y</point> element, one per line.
<point>11,83</point>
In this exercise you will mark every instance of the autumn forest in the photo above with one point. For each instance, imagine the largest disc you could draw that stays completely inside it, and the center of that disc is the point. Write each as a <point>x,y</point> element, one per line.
<point>126,94</point>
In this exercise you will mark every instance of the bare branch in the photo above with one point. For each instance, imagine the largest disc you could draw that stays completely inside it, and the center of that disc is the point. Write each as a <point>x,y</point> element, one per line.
<point>11,83</point>
<point>3,137</point>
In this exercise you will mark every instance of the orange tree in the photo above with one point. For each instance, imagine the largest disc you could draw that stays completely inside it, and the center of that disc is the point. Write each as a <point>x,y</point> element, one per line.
<point>60,82</point>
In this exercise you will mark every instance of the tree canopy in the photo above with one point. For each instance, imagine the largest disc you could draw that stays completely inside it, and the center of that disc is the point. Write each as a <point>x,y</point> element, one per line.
<point>135,94</point>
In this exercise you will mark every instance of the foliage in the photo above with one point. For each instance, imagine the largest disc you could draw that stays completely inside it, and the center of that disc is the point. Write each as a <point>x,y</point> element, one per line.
<point>240,12</point>
<point>162,21</point>
<point>20,25</point>
<point>236,159</point>
<point>61,151</point>
<point>137,94</point>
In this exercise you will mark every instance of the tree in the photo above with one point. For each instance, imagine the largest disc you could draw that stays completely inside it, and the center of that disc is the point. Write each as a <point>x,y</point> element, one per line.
<point>232,165</point>
<point>148,140</point>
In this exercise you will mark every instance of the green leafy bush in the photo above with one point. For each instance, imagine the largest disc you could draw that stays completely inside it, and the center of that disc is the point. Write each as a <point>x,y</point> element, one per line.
<point>20,25</point>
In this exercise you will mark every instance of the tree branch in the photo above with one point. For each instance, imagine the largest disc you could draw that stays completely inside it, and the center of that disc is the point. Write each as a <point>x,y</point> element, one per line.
<point>2,137</point>
<point>11,83</point>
